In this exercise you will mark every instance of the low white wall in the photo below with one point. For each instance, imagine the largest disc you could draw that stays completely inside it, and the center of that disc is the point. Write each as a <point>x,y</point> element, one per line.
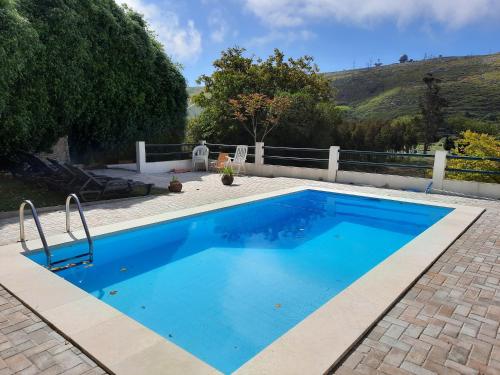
<point>383,180</point>
<point>127,166</point>
<point>267,170</point>
<point>479,189</point>
<point>157,166</point>
<point>167,166</point>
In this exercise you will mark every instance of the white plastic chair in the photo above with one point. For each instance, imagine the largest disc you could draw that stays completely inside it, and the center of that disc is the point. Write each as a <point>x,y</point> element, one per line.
<point>238,161</point>
<point>200,156</point>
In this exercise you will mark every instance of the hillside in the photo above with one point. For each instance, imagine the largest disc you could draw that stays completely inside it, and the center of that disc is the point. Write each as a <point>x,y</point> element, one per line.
<point>471,85</point>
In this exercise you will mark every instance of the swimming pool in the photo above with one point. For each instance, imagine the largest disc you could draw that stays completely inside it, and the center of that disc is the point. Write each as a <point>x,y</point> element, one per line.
<point>225,284</point>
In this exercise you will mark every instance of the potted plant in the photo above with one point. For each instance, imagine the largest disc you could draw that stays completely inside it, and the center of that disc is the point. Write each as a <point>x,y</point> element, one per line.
<point>227,175</point>
<point>175,185</point>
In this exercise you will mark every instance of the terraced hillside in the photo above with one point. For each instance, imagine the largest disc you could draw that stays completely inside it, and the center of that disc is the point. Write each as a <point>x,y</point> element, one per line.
<point>471,84</point>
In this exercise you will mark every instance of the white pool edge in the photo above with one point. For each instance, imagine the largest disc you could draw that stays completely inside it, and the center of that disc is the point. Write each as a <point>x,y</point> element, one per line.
<point>124,346</point>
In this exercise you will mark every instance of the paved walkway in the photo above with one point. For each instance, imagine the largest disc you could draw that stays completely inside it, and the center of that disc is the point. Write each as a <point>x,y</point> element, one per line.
<point>447,323</point>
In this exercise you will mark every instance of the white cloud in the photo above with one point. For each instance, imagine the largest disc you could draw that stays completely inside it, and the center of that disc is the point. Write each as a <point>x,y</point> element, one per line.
<point>218,25</point>
<point>287,36</point>
<point>451,13</point>
<point>182,42</point>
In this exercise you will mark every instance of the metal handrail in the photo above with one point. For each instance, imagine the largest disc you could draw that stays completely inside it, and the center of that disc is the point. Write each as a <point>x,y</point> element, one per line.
<point>293,158</point>
<point>84,222</point>
<point>296,148</point>
<point>393,165</point>
<point>168,153</point>
<point>461,170</point>
<point>460,157</point>
<point>169,144</point>
<point>22,236</point>
<point>358,152</point>
<point>224,145</point>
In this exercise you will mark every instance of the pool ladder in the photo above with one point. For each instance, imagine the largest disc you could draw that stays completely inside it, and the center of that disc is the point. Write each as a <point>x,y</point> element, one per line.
<point>51,264</point>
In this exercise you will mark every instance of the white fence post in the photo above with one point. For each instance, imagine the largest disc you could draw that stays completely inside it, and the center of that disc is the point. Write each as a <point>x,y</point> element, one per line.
<point>439,169</point>
<point>259,153</point>
<point>333,163</point>
<point>202,143</point>
<point>140,156</point>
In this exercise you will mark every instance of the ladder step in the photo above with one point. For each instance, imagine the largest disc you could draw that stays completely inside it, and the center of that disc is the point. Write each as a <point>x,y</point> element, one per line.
<point>70,258</point>
<point>68,265</point>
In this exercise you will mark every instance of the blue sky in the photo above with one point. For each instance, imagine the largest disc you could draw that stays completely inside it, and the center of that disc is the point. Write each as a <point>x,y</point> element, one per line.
<point>339,34</point>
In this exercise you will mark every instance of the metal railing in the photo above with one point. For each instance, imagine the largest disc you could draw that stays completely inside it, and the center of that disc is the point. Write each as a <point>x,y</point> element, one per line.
<point>385,164</point>
<point>185,149</point>
<point>310,157</point>
<point>22,235</point>
<point>415,164</point>
<point>473,158</point>
<point>84,223</point>
<point>227,147</point>
<point>50,262</point>
<point>386,153</point>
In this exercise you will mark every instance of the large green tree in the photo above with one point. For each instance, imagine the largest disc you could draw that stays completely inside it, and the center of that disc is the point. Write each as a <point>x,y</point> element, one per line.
<point>309,95</point>
<point>86,68</point>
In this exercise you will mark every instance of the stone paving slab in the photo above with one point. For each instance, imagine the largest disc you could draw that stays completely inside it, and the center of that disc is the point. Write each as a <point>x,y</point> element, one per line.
<point>447,323</point>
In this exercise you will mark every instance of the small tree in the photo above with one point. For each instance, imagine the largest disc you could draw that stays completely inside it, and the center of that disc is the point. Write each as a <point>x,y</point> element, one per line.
<point>431,107</point>
<point>258,113</point>
<point>235,74</point>
<point>403,59</point>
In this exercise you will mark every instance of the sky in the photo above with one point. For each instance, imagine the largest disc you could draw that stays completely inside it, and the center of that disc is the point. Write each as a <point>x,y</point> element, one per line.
<point>339,34</point>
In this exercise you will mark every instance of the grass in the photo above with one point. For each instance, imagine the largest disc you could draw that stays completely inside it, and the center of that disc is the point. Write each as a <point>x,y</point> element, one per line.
<point>14,191</point>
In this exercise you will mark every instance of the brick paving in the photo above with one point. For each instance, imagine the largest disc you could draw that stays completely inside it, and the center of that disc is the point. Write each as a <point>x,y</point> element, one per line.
<point>447,323</point>
<point>29,346</point>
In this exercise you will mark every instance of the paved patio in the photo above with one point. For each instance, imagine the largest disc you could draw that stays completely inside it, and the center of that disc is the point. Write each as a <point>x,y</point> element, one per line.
<point>447,323</point>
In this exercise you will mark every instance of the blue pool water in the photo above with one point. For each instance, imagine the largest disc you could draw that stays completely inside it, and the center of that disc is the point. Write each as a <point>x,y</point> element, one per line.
<point>225,284</point>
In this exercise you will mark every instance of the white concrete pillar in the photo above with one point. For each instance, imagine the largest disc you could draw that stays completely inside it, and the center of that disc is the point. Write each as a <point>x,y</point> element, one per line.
<point>140,156</point>
<point>259,153</point>
<point>333,163</point>
<point>438,171</point>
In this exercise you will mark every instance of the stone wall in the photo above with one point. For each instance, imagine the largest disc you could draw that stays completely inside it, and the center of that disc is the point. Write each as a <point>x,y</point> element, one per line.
<point>60,150</point>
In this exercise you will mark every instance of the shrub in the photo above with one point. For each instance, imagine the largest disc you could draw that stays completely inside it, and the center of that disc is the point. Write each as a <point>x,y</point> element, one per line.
<point>475,144</point>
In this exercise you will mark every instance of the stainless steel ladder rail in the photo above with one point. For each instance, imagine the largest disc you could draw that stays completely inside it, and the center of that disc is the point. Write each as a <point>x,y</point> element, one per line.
<point>90,253</point>
<point>50,262</point>
<point>22,236</point>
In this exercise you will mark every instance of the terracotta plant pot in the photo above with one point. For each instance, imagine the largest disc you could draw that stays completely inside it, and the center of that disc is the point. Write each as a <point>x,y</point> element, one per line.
<point>227,179</point>
<point>175,186</point>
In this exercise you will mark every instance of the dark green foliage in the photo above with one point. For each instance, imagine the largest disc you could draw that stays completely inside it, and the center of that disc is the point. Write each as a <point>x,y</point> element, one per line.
<point>398,135</point>
<point>459,124</point>
<point>431,109</point>
<point>23,94</point>
<point>89,69</point>
<point>448,144</point>
<point>308,123</point>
